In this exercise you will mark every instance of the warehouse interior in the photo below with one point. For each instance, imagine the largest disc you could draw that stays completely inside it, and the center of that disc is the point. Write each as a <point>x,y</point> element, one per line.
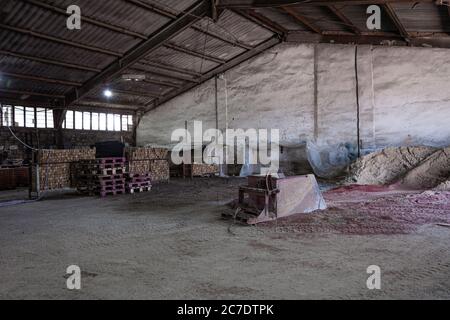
<point>353,95</point>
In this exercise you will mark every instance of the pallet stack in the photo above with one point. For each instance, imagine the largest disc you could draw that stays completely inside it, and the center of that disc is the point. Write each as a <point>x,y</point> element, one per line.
<point>138,183</point>
<point>102,177</point>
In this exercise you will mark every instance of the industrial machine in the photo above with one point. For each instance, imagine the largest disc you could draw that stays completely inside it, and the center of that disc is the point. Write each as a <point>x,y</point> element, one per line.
<point>267,198</point>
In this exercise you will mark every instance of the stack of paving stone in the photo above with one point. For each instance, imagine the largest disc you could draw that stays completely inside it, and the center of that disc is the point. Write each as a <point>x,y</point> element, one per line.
<point>102,177</point>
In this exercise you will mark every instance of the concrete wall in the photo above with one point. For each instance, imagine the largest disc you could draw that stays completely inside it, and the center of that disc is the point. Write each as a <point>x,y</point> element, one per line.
<point>309,93</point>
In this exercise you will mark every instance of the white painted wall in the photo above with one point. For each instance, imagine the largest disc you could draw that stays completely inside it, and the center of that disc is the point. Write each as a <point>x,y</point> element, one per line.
<point>404,97</point>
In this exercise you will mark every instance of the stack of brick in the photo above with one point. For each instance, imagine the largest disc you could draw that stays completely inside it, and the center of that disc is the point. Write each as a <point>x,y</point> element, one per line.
<point>55,167</point>
<point>138,183</point>
<point>151,161</point>
<point>203,170</point>
<point>101,177</point>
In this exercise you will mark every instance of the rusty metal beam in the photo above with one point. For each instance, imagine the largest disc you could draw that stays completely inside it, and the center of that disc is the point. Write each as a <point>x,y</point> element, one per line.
<point>262,21</point>
<point>248,4</point>
<point>184,21</point>
<point>301,19</point>
<point>346,21</point>
<point>344,38</point>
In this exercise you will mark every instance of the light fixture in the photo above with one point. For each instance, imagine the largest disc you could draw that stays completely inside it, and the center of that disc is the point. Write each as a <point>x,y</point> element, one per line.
<point>133,77</point>
<point>108,93</point>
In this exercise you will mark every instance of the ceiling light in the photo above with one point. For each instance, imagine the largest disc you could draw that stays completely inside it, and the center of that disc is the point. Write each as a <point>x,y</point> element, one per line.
<point>133,77</point>
<point>108,93</point>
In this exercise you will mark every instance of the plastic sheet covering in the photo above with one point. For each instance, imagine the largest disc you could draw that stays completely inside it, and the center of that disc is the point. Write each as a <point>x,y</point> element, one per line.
<point>330,161</point>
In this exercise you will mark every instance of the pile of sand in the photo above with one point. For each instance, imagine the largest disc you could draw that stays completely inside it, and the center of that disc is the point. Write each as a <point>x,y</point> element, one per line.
<point>388,165</point>
<point>444,186</point>
<point>430,173</point>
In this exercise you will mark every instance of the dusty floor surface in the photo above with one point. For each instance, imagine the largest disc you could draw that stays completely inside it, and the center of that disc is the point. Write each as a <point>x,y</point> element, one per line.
<point>172,244</point>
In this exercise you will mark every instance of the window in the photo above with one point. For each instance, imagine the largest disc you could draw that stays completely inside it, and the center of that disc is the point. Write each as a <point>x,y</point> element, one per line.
<point>78,120</point>
<point>117,123</point>
<point>95,121</point>
<point>41,118</point>
<point>19,116</point>
<point>124,123</point>
<point>110,122</point>
<point>29,117</point>
<point>69,120</point>
<point>86,121</point>
<point>6,117</point>
<point>50,123</point>
<point>102,121</point>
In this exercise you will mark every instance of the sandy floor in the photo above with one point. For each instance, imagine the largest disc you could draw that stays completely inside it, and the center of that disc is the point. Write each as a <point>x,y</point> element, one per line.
<point>172,244</point>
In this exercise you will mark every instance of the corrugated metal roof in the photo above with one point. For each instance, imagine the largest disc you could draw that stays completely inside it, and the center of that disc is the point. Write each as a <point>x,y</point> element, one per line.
<point>424,17</point>
<point>130,22</point>
<point>196,41</point>
<point>165,56</point>
<point>28,45</point>
<point>33,68</point>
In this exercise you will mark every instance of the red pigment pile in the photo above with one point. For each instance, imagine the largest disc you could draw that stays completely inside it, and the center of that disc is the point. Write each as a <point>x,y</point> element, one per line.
<point>371,210</point>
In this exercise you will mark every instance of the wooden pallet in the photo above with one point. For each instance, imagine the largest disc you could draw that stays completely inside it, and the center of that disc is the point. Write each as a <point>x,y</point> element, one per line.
<point>138,184</point>
<point>139,190</point>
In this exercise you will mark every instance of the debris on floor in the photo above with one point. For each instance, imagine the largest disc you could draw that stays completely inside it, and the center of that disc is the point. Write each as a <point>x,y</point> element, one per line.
<point>374,210</point>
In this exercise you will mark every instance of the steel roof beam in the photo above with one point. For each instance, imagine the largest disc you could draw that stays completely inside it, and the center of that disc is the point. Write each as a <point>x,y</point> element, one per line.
<point>395,19</point>
<point>346,21</point>
<point>301,19</point>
